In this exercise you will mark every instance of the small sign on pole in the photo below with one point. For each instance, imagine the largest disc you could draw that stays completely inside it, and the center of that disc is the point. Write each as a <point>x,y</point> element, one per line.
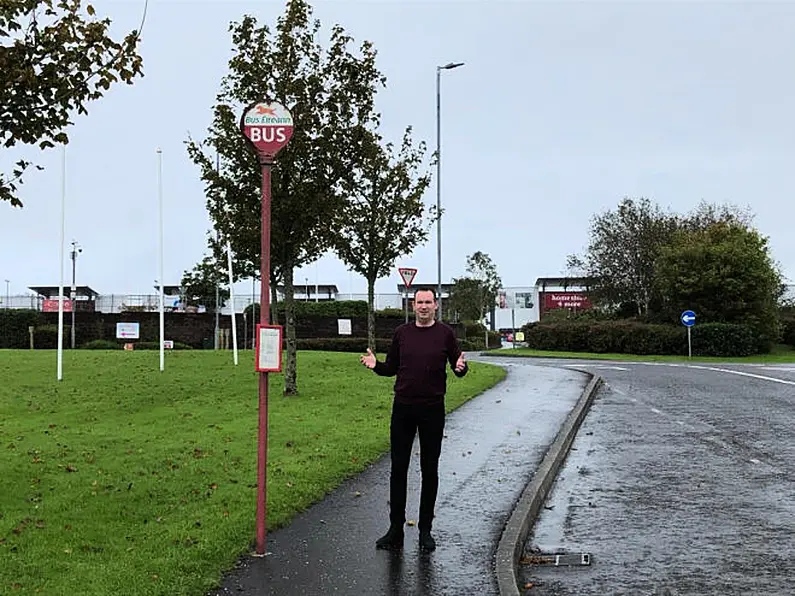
<point>268,126</point>
<point>407,275</point>
<point>269,348</point>
<point>688,319</point>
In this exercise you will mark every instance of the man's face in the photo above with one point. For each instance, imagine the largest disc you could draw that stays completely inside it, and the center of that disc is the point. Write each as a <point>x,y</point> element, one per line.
<point>424,306</point>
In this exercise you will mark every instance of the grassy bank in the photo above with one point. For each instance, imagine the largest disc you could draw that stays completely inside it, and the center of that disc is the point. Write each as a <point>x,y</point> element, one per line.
<point>121,479</point>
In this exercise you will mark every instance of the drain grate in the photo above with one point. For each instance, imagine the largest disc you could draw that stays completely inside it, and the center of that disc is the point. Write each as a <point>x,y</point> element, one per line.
<point>557,560</point>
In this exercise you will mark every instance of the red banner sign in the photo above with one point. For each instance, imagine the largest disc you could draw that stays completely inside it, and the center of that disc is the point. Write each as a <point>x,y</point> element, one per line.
<point>51,305</point>
<point>576,300</point>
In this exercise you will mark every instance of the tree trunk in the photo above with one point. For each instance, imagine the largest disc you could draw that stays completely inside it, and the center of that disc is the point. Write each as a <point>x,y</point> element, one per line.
<point>290,385</point>
<point>371,314</point>
<point>274,301</point>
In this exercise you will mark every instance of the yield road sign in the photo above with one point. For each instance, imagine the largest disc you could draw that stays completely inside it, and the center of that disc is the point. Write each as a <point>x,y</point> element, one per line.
<point>688,318</point>
<point>407,273</point>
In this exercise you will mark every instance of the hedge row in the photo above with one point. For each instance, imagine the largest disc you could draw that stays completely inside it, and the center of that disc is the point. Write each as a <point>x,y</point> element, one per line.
<point>329,308</point>
<point>788,331</point>
<point>625,337</point>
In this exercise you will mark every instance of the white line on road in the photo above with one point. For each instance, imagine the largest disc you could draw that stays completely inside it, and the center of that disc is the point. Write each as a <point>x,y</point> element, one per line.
<point>743,374</point>
<point>602,366</point>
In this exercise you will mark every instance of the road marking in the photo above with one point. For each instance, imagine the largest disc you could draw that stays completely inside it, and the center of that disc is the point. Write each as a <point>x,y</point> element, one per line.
<point>603,366</point>
<point>743,374</point>
<point>778,368</point>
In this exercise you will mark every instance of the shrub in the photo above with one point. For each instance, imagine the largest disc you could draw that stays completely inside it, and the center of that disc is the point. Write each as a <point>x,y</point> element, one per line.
<point>724,339</point>
<point>14,325</point>
<point>154,345</point>
<point>45,337</point>
<point>632,337</point>
<point>788,331</point>
<point>342,344</point>
<point>101,344</point>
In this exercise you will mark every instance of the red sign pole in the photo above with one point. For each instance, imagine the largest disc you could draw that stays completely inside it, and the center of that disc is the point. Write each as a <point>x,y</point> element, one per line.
<point>264,319</point>
<point>268,127</point>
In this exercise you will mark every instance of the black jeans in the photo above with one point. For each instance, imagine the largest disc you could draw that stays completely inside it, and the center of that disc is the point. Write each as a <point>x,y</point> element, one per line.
<point>406,421</point>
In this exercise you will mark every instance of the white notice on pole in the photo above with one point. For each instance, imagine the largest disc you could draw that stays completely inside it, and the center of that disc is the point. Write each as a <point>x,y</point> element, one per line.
<point>269,357</point>
<point>344,326</point>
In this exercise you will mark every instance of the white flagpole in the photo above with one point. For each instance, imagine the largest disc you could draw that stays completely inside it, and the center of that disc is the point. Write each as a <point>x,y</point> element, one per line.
<point>232,299</point>
<point>60,288</point>
<point>162,299</point>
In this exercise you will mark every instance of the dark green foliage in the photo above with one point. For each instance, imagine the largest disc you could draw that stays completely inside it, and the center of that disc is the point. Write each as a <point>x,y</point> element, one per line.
<point>101,344</point>
<point>726,275</point>
<point>105,344</point>
<point>788,328</point>
<point>54,61</point>
<point>45,337</point>
<point>628,337</point>
<point>14,325</point>
<point>724,339</point>
<point>153,345</point>
<point>343,344</point>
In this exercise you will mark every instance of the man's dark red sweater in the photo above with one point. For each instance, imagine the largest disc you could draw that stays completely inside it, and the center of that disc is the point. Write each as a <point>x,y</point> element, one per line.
<point>419,357</point>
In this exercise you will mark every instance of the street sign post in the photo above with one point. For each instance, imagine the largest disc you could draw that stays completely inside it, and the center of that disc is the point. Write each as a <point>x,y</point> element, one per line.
<point>407,274</point>
<point>688,319</point>
<point>268,127</point>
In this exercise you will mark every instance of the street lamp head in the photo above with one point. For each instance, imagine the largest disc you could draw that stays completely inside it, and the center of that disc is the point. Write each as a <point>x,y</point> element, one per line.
<point>450,65</point>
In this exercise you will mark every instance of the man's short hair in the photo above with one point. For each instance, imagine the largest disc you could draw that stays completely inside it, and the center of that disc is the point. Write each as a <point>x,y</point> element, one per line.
<point>431,290</point>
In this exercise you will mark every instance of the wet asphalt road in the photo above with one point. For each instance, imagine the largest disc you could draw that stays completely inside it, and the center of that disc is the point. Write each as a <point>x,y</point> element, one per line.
<point>680,482</point>
<point>491,449</point>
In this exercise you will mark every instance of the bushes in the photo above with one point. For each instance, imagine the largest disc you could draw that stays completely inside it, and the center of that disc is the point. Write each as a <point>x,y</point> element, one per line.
<point>788,331</point>
<point>342,344</point>
<point>106,344</point>
<point>14,325</point>
<point>628,337</point>
<point>724,339</point>
<point>474,335</point>
<point>45,337</point>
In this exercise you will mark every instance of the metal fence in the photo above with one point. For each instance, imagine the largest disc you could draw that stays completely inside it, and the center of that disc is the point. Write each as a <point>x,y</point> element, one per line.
<point>116,303</point>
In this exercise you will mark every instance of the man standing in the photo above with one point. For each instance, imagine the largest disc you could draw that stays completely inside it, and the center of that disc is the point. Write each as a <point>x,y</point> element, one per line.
<point>418,357</point>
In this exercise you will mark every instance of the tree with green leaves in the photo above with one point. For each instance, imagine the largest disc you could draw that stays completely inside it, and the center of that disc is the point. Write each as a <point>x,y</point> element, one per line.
<point>465,299</point>
<point>626,243</point>
<point>384,217</point>
<point>724,273</point>
<point>54,60</point>
<point>475,295</point>
<point>330,94</point>
<point>199,286</point>
<point>623,248</point>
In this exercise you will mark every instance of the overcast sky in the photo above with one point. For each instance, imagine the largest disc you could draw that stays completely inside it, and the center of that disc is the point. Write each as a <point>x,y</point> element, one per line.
<point>561,109</point>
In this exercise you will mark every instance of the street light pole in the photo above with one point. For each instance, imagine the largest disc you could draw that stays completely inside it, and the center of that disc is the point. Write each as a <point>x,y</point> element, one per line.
<point>8,294</point>
<point>75,249</point>
<point>439,70</point>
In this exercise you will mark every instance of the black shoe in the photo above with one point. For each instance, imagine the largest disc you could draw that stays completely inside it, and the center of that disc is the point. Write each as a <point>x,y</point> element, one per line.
<point>393,539</point>
<point>427,543</point>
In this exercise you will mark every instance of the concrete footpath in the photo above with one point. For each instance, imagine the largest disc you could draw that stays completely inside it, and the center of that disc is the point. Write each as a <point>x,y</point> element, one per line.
<point>492,449</point>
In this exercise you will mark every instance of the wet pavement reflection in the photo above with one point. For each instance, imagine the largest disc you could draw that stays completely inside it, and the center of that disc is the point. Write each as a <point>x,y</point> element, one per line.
<point>491,449</point>
<point>680,482</point>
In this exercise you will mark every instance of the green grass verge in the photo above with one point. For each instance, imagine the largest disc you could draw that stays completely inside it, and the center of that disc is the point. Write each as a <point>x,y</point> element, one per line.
<point>120,479</point>
<point>780,354</point>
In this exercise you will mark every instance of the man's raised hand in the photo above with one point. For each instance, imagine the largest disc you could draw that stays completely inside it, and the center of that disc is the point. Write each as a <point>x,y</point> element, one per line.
<point>368,359</point>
